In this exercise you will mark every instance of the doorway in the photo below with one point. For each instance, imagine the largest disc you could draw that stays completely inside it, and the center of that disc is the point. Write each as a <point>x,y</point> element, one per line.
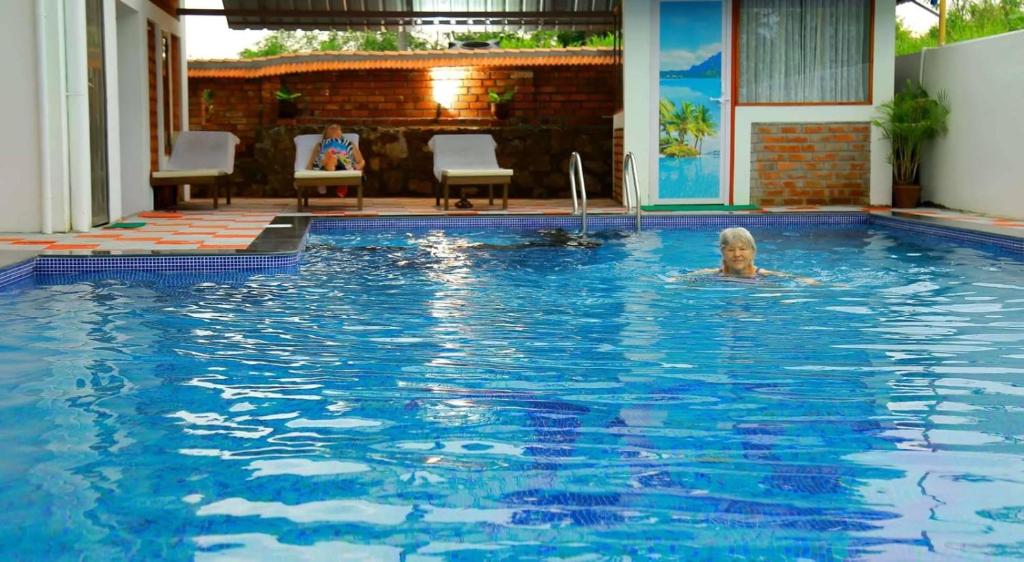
<point>692,101</point>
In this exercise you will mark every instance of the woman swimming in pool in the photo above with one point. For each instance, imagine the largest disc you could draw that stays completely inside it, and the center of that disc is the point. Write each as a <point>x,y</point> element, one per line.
<point>738,251</point>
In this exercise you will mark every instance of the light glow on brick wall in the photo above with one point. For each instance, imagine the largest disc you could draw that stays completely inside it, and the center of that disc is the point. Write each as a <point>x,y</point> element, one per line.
<point>446,84</point>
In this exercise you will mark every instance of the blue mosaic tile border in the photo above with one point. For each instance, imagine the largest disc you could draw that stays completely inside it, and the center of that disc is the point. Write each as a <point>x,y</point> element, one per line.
<point>17,272</point>
<point>49,265</point>
<point>971,237</point>
<point>327,225</point>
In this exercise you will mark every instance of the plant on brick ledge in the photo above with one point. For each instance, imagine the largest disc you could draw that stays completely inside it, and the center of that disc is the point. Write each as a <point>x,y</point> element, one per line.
<point>909,120</point>
<point>500,101</point>
<point>286,106</point>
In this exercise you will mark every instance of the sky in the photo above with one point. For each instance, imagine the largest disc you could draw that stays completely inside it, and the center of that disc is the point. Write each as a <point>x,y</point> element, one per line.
<point>208,37</point>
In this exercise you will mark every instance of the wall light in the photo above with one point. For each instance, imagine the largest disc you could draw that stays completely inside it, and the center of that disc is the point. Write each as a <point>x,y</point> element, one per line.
<point>446,83</point>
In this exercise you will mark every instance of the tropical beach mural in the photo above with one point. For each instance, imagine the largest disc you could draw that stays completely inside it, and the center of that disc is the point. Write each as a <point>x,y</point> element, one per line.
<point>689,108</point>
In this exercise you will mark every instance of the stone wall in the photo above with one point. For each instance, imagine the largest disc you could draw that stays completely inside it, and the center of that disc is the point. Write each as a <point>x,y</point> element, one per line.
<point>557,109</point>
<point>398,162</point>
<point>810,163</point>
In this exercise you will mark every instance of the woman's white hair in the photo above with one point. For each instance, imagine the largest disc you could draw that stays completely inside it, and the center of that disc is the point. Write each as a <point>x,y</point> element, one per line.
<point>736,235</point>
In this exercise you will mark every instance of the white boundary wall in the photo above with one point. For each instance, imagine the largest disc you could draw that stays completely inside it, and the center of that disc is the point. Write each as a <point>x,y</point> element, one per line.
<point>19,113</point>
<point>639,30</point>
<point>979,165</point>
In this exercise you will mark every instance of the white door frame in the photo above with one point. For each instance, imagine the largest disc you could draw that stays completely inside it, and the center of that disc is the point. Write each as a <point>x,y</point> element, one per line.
<point>725,128</point>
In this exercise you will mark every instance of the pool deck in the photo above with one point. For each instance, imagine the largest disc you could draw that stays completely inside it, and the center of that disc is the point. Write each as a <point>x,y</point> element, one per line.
<point>198,229</point>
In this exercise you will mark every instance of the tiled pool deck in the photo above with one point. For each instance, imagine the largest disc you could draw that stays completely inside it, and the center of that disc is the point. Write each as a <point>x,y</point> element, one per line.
<point>199,233</point>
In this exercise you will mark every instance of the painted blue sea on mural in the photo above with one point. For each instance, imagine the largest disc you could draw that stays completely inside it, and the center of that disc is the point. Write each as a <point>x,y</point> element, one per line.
<point>689,112</point>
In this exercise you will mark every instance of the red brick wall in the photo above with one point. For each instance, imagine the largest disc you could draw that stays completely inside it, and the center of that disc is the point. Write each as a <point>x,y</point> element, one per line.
<point>153,107</point>
<point>810,163</point>
<point>617,148</point>
<point>545,95</point>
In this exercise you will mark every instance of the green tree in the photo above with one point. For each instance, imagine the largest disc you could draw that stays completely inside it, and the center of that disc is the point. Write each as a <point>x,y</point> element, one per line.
<point>966,20</point>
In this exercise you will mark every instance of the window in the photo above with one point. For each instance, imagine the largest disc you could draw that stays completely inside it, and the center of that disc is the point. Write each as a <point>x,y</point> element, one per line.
<point>804,51</point>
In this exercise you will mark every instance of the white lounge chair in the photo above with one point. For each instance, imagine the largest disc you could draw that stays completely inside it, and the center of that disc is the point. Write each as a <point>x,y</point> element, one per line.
<point>468,160</point>
<point>306,179</point>
<point>198,158</point>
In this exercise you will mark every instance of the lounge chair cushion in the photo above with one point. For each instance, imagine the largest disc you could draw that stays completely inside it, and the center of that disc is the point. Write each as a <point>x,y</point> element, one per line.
<point>202,152</point>
<point>469,173</point>
<point>326,175</point>
<point>304,145</point>
<point>171,174</point>
<point>465,156</point>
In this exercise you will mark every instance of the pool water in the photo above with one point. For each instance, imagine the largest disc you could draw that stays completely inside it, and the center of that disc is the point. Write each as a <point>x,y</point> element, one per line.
<point>523,396</point>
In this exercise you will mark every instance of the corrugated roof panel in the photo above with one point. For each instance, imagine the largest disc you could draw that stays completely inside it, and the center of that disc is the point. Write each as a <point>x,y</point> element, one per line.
<point>377,14</point>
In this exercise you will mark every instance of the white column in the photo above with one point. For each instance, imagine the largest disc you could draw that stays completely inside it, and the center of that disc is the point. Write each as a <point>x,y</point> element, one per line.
<point>110,65</point>
<point>639,36</point>
<point>78,116</point>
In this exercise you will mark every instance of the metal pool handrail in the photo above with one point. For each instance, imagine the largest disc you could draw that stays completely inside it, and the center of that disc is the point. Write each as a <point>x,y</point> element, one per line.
<point>576,172</point>
<point>629,164</point>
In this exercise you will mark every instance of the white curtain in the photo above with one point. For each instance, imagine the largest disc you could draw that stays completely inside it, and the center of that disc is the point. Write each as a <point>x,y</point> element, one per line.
<point>804,50</point>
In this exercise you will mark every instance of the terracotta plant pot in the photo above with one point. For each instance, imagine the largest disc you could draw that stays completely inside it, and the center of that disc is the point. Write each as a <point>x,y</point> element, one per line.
<point>287,109</point>
<point>501,110</point>
<point>905,196</point>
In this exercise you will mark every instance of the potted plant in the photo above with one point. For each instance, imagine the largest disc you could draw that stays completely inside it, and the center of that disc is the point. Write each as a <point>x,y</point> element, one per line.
<point>501,102</point>
<point>286,106</point>
<point>910,119</point>
<point>207,104</point>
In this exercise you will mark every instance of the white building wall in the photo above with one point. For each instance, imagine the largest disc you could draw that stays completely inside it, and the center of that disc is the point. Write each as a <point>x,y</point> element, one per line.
<point>19,113</point>
<point>979,164</point>
<point>25,151</point>
<point>882,89</point>
<point>639,30</point>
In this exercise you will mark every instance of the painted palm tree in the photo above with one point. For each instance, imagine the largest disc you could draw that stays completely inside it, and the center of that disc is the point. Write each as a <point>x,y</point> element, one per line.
<point>675,125</point>
<point>704,126</point>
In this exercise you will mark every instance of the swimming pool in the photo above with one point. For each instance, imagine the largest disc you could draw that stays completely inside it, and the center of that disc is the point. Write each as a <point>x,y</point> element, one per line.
<point>465,395</point>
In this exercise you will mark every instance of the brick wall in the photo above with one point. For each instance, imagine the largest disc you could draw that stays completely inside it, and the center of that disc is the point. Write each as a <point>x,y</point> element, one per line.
<point>617,148</point>
<point>545,96</point>
<point>556,110</point>
<point>810,163</point>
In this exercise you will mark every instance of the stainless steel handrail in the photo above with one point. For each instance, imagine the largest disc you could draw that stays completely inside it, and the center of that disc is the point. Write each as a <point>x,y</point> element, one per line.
<point>576,172</point>
<point>629,164</point>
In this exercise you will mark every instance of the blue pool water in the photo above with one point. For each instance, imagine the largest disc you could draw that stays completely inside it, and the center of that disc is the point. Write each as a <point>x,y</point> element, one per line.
<point>518,396</point>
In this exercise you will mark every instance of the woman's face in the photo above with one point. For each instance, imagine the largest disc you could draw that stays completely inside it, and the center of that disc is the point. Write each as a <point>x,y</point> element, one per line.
<point>737,257</point>
<point>334,132</point>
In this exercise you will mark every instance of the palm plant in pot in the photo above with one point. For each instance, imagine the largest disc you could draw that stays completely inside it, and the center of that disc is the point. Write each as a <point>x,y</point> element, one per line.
<point>287,108</point>
<point>909,120</point>
<point>501,102</point>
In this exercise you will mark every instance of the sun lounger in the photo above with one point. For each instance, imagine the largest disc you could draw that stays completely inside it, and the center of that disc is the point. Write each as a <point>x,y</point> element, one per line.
<point>308,179</point>
<point>467,160</point>
<point>198,158</point>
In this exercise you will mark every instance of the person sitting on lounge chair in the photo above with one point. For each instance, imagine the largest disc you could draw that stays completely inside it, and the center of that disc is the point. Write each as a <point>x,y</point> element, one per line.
<point>334,152</point>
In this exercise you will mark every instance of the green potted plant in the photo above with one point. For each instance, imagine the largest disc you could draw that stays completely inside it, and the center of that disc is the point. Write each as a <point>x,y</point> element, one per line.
<point>501,102</point>
<point>286,106</point>
<point>207,105</point>
<point>909,120</point>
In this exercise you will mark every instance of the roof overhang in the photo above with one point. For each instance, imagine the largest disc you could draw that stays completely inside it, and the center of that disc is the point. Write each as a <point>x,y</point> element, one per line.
<point>395,14</point>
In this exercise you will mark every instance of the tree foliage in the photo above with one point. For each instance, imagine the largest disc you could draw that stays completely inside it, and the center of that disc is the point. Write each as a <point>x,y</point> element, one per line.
<point>966,20</point>
<point>287,41</point>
